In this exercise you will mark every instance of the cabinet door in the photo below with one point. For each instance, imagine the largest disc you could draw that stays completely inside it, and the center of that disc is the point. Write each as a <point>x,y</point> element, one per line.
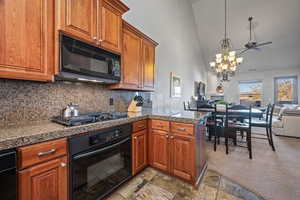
<point>111,27</point>
<point>148,70</point>
<point>139,150</point>
<point>46,181</point>
<point>182,157</point>
<point>131,59</point>
<point>160,150</point>
<point>79,18</point>
<point>27,39</point>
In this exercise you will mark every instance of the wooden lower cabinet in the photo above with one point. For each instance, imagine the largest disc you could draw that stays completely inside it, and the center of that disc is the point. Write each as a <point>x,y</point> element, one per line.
<point>139,149</point>
<point>47,181</point>
<point>175,152</point>
<point>182,157</point>
<point>160,150</point>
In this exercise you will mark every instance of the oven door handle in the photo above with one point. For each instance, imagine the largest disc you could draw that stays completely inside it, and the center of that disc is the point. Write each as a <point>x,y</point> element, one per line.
<point>99,150</point>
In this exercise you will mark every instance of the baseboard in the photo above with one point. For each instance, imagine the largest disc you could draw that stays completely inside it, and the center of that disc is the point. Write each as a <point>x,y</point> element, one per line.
<point>197,183</point>
<point>287,136</point>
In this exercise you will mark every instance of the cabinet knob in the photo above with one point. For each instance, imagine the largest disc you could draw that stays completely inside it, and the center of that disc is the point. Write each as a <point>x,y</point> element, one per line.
<point>94,38</point>
<point>167,136</point>
<point>100,40</point>
<point>63,164</point>
<point>135,138</point>
<point>172,137</point>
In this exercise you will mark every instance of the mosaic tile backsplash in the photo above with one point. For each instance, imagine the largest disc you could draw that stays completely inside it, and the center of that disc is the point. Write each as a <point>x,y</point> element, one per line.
<point>26,101</point>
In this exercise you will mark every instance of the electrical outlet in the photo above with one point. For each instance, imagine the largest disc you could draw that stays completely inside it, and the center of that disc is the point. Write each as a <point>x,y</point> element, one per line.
<point>111,101</point>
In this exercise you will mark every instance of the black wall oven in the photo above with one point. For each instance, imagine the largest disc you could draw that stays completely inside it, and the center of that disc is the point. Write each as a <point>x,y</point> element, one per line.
<point>100,162</point>
<point>8,177</point>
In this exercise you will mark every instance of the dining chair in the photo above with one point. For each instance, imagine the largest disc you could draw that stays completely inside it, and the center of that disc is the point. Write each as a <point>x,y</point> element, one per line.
<point>215,124</point>
<point>217,127</point>
<point>265,123</point>
<point>232,126</point>
<point>184,106</point>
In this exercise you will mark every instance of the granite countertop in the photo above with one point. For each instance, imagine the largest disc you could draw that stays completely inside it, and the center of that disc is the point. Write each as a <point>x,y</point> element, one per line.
<point>26,134</point>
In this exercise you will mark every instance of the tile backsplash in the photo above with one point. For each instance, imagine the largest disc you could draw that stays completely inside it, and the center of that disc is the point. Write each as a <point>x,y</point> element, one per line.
<point>24,101</point>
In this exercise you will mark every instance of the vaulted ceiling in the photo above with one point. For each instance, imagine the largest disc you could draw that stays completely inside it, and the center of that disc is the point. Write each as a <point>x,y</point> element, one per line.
<point>274,20</point>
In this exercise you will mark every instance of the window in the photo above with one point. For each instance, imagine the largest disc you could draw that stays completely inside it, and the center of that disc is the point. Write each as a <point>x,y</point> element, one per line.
<point>286,90</point>
<point>250,93</point>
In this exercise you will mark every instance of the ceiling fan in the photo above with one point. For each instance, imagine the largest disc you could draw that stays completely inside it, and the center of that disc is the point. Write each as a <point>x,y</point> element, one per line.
<point>252,44</point>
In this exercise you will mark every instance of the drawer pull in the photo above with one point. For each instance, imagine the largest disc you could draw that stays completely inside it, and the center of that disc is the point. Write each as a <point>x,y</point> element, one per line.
<point>47,152</point>
<point>181,129</point>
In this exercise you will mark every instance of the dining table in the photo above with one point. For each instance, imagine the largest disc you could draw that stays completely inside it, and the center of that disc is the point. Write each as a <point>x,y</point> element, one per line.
<point>243,113</point>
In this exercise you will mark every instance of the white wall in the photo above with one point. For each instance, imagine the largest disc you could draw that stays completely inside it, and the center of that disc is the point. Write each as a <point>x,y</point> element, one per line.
<point>170,23</point>
<point>267,77</point>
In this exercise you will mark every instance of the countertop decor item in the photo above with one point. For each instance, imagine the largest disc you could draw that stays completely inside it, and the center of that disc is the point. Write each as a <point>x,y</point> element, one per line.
<point>136,104</point>
<point>226,62</point>
<point>70,111</point>
<point>175,86</point>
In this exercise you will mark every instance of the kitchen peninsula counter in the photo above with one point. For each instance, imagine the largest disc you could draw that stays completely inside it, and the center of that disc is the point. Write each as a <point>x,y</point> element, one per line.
<point>25,134</point>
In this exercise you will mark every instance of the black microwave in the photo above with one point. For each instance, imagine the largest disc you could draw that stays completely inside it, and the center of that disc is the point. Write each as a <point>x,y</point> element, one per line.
<point>80,61</point>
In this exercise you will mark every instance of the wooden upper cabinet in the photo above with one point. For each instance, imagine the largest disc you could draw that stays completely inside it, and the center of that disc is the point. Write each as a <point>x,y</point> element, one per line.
<point>45,181</point>
<point>138,58</point>
<point>182,157</point>
<point>95,21</point>
<point>27,39</point>
<point>79,18</point>
<point>131,60</point>
<point>148,71</point>
<point>111,27</point>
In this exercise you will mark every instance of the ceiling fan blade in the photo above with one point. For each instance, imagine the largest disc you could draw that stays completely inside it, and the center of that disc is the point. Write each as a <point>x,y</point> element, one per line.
<point>243,51</point>
<point>263,44</point>
<point>257,49</point>
<point>240,49</point>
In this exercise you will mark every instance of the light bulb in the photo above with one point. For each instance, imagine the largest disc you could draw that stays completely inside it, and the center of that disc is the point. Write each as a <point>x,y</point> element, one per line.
<point>224,67</point>
<point>232,53</point>
<point>219,55</point>
<point>239,60</point>
<point>212,64</point>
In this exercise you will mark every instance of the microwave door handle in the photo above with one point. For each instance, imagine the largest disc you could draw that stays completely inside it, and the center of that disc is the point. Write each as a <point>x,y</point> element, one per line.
<point>99,150</point>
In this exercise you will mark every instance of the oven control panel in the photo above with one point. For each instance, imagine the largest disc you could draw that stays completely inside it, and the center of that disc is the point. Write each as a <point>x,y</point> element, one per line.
<point>85,142</point>
<point>106,137</point>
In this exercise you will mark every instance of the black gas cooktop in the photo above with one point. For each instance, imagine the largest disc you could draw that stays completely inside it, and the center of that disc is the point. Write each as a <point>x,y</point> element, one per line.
<point>88,118</point>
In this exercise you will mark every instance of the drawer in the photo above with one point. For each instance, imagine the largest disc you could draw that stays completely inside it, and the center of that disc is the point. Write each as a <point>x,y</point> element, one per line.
<point>139,125</point>
<point>38,153</point>
<point>182,128</point>
<point>161,125</point>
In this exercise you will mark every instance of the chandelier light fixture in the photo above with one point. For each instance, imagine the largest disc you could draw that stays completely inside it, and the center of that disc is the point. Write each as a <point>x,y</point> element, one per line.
<point>226,61</point>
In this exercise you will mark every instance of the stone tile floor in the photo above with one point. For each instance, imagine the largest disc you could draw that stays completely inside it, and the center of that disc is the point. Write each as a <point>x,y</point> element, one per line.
<point>154,185</point>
